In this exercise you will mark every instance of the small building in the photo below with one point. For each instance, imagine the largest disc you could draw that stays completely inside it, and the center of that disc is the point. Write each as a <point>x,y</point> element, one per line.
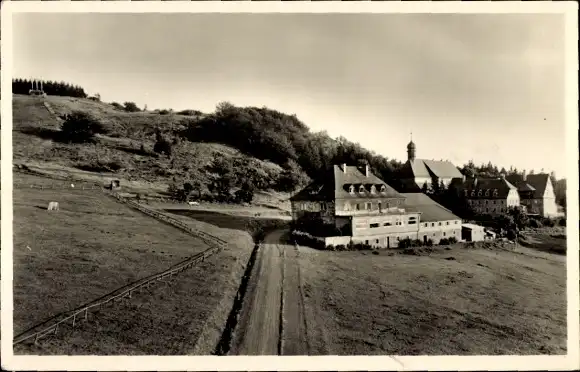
<point>536,193</point>
<point>472,233</point>
<point>115,185</point>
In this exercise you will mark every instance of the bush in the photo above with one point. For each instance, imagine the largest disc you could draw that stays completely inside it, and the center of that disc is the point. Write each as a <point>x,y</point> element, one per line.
<point>162,146</point>
<point>452,240</point>
<point>444,241</point>
<point>549,222</point>
<point>512,234</point>
<point>534,223</point>
<point>562,222</point>
<point>81,127</point>
<point>429,243</point>
<point>131,107</point>
<point>164,112</point>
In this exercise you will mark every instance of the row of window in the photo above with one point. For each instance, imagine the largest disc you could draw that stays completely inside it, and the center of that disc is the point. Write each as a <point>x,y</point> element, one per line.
<point>363,190</point>
<point>480,192</point>
<point>386,241</point>
<point>369,206</point>
<point>411,221</point>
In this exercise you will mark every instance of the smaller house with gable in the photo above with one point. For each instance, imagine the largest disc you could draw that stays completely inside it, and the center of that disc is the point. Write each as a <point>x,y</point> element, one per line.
<point>536,193</point>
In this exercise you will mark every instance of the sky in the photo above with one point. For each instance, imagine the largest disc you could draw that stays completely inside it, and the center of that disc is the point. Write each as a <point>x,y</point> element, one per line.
<point>487,87</point>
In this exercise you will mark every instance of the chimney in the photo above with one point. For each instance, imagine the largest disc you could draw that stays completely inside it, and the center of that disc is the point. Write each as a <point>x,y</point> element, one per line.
<point>475,182</point>
<point>524,175</point>
<point>343,167</point>
<point>502,176</point>
<point>367,170</point>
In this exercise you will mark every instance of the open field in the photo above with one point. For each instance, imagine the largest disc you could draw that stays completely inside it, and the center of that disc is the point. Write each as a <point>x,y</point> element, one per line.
<point>455,301</point>
<point>94,245</point>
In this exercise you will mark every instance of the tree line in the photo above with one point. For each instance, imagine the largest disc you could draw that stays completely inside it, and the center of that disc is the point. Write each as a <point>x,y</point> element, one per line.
<point>53,88</point>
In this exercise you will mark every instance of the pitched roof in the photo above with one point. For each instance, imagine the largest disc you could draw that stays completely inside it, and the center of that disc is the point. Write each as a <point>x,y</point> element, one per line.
<point>430,210</point>
<point>538,182</point>
<point>534,182</point>
<point>335,184</point>
<point>491,188</point>
<point>430,168</point>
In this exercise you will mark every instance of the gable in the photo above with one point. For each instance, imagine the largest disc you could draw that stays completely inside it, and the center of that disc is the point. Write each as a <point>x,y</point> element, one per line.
<point>442,169</point>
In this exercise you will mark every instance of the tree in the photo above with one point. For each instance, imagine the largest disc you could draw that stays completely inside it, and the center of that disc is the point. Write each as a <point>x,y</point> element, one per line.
<point>131,107</point>
<point>162,146</point>
<point>81,127</point>
<point>520,217</point>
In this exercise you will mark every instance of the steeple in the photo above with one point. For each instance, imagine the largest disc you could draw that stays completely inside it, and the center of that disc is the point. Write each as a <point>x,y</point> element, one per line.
<point>411,149</point>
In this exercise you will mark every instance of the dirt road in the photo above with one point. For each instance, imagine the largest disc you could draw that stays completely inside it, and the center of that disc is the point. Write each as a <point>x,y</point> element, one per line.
<point>272,318</point>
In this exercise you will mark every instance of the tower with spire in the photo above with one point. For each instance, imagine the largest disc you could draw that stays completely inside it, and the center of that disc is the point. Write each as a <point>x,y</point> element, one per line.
<point>411,150</point>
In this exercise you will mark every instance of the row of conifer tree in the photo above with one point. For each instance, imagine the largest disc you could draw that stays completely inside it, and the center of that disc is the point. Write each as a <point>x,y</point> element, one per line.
<point>52,88</point>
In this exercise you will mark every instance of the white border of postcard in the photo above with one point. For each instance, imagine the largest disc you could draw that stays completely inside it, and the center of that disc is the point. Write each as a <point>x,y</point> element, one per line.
<point>263,363</point>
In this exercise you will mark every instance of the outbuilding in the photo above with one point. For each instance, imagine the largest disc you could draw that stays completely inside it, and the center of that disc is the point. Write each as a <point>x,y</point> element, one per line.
<point>472,233</point>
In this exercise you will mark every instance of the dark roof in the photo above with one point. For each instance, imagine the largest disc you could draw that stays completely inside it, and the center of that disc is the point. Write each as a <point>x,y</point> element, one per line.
<point>430,210</point>
<point>491,188</point>
<point>538,182</point>
<point>430,168</point>
<point>534,182</point>
<point>335,184</point>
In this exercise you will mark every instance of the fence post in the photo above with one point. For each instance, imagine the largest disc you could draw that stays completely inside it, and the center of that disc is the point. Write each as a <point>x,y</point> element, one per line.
<point>74,319</point>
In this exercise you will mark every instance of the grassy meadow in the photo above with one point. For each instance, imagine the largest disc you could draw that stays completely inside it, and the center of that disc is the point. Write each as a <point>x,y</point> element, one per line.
<point>454,301</point>
<point>94,245</point>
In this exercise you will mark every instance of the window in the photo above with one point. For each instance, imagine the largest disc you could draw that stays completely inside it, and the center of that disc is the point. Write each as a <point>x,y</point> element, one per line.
<point>433,224</point>
<point>465,191</point>
<point>361,189</point>
<point>387,224</point>
<point>383,188</point>
<point>347,206</point>
<point>426,225</point>
<point>447,223</point>
<point>374,225</point>
<point>487,192</point>
<point>373,189</point>
<point>351,189</point>
<point>439,223</point>
<point>444,234</point>
<point>398,238</point>
<point>357,206</point>
<point>366,242</point>
<point>369,206</point>
<point>495,192</point>
<point>377,241</point>
<point>479,192</point>
<point>412,222</point>
<point>456,222</point>
<point>379,204</point>
<point>472,193</point>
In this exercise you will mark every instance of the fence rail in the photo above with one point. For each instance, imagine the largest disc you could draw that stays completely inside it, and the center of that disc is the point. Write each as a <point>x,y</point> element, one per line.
<point>51,325</point>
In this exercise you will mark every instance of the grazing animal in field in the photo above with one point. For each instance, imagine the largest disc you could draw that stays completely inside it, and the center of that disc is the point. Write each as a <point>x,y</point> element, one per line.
<point>193,203</point>
<point>53,206</point>
<point>72,185</point>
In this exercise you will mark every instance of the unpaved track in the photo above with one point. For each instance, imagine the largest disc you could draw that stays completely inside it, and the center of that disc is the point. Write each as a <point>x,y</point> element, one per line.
<point>275,276</point>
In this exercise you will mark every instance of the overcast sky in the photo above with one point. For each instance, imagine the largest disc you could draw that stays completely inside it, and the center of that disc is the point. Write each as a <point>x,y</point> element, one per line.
<point>481,87</point>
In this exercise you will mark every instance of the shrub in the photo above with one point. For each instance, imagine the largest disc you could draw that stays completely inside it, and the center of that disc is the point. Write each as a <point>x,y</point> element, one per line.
<point>534,223</point>
<point>81,127</point>
<point>429,243</point>
<point>444,241</point>
<point>164,112</point>
<point>131,107</point>
<point>549,222</point>
<point>117,106</point>
<point>562,222</point>
<point>512,234</point>
<point>452,240</point>
<point>162,146</point>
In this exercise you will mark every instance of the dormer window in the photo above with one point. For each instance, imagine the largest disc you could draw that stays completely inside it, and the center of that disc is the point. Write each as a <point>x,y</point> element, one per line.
<point>465,191</point>
<point>361,189</point>
<point>495,192</point>
<point>373,189</point>
<point>351,189</point>
<point>479,192</point>
<point>383,189</point>
<point>472,193</point>
<point>487,192</point>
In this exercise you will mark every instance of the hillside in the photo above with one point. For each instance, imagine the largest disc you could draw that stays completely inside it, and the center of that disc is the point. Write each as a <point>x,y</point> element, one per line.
<point>125,152</point>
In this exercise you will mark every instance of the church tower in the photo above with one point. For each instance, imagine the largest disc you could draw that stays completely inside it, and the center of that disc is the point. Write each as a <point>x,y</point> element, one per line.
<point>411,150</point>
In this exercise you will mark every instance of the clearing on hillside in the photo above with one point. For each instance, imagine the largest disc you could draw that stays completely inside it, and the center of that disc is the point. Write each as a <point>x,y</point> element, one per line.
<point>95,245</point>
<point>452,302</point>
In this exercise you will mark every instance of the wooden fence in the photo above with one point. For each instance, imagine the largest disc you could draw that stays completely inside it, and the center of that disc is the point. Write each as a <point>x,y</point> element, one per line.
<point>81,313</point>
